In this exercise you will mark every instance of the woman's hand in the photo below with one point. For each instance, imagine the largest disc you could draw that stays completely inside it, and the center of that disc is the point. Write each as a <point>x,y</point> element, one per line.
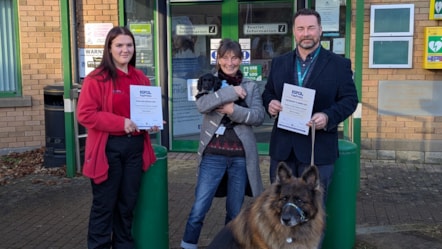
<point>153,129</point>
<point>226,108</point>
<point>130,126</point>
<point>240,92</point>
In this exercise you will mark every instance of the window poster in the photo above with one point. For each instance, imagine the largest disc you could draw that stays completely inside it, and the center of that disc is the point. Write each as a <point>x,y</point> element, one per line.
<point>329,11</point>
<point>95,33</point>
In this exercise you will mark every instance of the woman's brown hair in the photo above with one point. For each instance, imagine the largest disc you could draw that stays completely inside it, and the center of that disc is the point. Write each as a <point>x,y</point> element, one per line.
<point>228,45</point>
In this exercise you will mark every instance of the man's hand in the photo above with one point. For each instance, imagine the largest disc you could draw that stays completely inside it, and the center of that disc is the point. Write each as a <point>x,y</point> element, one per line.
<point>320,119</point>
<point>274,107</point>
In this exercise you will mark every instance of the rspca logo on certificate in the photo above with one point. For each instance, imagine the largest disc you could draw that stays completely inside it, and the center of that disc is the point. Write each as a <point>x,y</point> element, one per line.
<point>297,94</point>
<point>297,106</point>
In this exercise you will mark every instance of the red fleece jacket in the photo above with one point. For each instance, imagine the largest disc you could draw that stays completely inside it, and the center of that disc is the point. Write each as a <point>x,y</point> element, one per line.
<point>94,112</point>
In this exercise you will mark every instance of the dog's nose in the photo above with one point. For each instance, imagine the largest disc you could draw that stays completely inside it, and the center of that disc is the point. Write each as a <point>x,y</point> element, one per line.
<point>292,215</point>
<point>286,218</point>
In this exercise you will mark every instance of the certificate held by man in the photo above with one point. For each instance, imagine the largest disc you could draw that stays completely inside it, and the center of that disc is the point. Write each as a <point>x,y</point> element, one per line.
<point>297,106</point>
<point>145,106</point>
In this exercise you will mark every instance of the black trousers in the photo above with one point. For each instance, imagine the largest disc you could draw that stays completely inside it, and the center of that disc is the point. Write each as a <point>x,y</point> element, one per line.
<point>110,220</point>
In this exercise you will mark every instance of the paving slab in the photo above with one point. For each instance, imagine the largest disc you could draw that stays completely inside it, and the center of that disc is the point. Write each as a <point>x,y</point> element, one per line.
<point>398,206</point>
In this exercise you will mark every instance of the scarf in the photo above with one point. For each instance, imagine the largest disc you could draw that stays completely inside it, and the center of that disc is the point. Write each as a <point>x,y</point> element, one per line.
<point>234,81</point>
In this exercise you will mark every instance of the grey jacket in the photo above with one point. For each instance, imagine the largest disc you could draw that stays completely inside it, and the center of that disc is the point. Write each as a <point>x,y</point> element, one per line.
<point>246,117</point>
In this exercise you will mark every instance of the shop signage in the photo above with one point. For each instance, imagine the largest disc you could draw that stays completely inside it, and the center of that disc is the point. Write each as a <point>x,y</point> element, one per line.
<point>253,72</point>
<point>265,28</point>
<point>196,29</point>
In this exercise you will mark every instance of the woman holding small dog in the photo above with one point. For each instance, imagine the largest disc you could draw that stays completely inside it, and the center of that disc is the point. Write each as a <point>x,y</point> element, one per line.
<point>227,143</point>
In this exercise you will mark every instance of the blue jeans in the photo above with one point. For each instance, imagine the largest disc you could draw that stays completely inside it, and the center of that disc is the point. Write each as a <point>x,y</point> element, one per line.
<point>211,172</point>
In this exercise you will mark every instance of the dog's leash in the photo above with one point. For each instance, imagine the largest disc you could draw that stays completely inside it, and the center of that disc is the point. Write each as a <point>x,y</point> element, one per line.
<point>312,160</point>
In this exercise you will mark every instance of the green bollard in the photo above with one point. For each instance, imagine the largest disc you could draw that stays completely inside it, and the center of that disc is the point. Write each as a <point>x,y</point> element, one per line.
<point>341,201</point>
<point>150,227</point>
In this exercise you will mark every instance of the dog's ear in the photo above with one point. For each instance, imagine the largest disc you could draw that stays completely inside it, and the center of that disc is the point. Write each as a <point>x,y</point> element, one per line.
<point>216,83</point>
<point>199,85</point>
<point>311,176</point>
<point>284,172</point>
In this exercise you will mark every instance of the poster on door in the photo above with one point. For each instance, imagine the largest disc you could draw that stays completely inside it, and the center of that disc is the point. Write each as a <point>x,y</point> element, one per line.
<point>88,60</point>
<point>329,11</point>
<point>95,33</point>
<point>186,118</point>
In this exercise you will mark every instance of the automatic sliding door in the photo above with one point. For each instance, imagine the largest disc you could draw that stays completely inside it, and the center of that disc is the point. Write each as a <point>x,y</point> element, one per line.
<point>267,29</point>
<point>193,28</point>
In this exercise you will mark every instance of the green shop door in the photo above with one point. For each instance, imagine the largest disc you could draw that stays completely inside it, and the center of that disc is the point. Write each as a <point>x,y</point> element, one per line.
<point>262,28</point>
<point>193,27</point>
<point>264,31</point>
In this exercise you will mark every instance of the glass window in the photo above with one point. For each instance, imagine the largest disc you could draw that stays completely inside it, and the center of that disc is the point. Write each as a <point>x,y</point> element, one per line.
<point>391,36</point>
<point>334,18</point>
<point>268,27</point>
<point>140,20</point>
<point>194,28</point>
<point>9,85</point>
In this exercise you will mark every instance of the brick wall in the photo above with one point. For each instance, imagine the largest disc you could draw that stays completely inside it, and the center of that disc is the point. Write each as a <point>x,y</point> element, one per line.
<point>383,137</point>
<point>94,11</point>
<point>23,128</point>
<point>39,21</point>
<point>387,137</point>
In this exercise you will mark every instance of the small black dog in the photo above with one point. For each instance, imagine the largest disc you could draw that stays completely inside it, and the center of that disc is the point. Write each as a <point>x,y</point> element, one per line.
<point>210,83</point>
<point>207,83</point>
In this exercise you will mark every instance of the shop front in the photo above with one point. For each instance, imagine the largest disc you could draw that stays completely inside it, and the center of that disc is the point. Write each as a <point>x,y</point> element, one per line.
<point>264,30</point>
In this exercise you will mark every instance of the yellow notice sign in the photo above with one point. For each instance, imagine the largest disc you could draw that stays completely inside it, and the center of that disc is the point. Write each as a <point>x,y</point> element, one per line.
<point>141,28</point>
<point>433,48</point>
<point>435,9</point>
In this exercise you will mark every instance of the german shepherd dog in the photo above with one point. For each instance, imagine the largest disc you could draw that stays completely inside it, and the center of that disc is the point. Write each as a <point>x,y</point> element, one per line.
<point>287,215</point>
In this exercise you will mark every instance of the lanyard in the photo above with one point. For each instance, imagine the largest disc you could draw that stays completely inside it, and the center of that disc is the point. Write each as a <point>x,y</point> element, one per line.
<point>301,76</point>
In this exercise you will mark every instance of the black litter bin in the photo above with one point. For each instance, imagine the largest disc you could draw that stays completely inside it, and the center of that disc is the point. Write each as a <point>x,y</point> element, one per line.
<point>55,152</point>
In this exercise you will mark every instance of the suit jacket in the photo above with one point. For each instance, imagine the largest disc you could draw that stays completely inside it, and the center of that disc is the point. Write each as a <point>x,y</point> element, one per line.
<point>336,95</point>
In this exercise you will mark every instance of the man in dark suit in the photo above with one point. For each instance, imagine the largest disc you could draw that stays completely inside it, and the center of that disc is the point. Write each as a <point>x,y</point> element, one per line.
<point>330,75</point>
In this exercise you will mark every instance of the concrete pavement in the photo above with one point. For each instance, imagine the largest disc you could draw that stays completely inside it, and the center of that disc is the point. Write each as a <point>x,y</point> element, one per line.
<point>398,206</point>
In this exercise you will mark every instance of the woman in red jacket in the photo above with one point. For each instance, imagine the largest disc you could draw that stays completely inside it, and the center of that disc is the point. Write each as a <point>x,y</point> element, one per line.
<point>117,152</point>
